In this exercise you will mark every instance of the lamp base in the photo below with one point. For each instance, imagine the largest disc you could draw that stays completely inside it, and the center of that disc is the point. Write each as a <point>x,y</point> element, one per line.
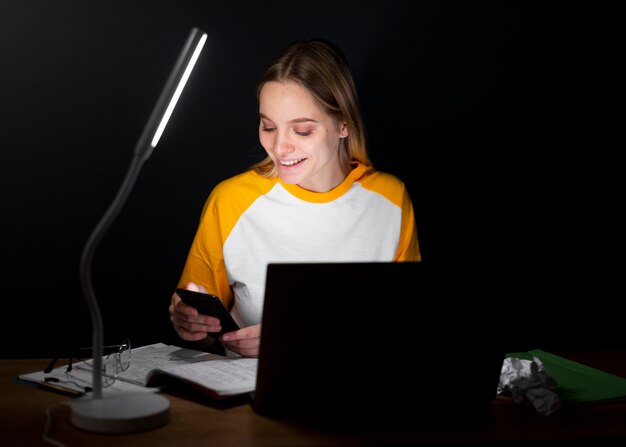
<point>120,412</point>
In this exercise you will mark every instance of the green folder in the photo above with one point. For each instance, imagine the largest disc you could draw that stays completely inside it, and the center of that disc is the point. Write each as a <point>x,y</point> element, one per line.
<point>577,383</point>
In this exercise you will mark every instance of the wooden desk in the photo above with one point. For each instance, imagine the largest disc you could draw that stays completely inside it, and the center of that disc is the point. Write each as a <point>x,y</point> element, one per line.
<point>194,423</point>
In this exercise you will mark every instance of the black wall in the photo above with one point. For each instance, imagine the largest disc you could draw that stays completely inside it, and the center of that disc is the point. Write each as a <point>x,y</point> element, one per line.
<point>497,115</point>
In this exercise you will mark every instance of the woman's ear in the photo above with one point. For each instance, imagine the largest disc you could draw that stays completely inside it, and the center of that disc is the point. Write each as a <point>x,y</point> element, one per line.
<point>343,129</point>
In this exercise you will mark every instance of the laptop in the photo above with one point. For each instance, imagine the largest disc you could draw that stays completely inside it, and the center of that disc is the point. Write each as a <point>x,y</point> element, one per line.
<point>374,341</point>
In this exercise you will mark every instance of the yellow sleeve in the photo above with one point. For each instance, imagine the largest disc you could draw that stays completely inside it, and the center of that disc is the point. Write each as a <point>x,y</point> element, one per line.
<point>408,245</point>
<point>205,260</point>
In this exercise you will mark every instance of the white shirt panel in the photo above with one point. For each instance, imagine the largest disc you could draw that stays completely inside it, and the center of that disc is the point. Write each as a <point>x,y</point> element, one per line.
<point>361,225</point>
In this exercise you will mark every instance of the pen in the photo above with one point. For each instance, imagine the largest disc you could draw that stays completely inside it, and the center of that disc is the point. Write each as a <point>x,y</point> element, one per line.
<point>60,389</point>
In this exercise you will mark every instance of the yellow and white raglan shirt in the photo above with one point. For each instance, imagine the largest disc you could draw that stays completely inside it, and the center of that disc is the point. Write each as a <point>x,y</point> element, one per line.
<point>249,221</point>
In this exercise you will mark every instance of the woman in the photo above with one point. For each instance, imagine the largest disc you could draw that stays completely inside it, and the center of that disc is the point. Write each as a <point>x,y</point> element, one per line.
<point>314,198</point>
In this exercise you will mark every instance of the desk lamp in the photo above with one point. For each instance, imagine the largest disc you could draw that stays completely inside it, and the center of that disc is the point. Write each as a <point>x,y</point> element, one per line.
<point>120,412</point>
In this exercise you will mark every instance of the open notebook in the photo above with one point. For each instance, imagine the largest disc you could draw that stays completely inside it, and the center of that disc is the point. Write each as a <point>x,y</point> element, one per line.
<point>377,340</point>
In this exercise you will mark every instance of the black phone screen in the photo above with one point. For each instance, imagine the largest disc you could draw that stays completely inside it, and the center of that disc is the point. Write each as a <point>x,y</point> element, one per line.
<point>208,304</point>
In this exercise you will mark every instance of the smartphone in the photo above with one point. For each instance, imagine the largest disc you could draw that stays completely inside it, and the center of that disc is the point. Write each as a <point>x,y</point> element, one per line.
<point>211,305</point>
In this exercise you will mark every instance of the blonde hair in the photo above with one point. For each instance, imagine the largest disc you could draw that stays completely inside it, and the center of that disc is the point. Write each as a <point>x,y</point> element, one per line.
<point>323,70</point>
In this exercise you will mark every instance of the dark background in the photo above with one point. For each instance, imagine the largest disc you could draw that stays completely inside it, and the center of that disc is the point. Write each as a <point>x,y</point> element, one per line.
<point>497,115</point>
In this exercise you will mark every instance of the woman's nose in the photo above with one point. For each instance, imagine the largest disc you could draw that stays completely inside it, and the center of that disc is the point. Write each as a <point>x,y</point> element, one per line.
<point>283,145</point>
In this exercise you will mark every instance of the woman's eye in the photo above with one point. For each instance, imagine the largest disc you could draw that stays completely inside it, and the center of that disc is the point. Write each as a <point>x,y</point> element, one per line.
<point>268,129</point>
<point>304,133</point>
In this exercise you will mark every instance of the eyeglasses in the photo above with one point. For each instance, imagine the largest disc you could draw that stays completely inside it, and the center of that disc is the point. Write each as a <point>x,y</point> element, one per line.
<point>114,363</point>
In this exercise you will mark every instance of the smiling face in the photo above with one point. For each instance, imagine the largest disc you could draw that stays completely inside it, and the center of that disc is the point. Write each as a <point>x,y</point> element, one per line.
<point>301,138</point>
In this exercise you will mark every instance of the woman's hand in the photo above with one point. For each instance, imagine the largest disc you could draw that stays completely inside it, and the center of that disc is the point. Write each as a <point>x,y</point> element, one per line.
<point>244,341</point>
<point>188,323</point>
<point>192,326</point>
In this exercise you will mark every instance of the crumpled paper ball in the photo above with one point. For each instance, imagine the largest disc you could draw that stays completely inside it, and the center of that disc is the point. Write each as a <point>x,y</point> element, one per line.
<point>528,380</point>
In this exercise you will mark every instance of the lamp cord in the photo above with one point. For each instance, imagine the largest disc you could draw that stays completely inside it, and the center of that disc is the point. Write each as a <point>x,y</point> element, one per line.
<point>48,427</point>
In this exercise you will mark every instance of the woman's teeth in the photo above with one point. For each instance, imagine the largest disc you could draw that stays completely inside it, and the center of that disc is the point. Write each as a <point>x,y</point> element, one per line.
<point>291,162</point>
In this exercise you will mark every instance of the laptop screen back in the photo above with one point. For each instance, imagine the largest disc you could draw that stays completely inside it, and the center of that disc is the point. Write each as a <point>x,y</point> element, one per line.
<point>372,339</point>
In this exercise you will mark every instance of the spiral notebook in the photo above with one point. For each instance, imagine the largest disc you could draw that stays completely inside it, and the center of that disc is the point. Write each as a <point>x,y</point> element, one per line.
<point>376,340</point>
